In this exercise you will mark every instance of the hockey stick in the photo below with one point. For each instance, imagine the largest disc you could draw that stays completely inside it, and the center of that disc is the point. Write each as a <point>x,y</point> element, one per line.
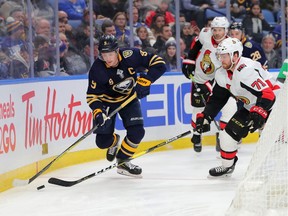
<point>22,182</point>
<point>64,183</point>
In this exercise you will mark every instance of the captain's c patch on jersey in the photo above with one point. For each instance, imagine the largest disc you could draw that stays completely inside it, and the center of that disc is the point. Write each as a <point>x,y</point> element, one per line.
<point>127,53</point>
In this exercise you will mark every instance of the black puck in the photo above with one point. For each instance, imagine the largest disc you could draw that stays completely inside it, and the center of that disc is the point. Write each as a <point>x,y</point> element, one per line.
<point>40,187</point>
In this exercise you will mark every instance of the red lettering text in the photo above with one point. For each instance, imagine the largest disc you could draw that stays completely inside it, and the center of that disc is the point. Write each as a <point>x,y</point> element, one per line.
<point>56,124</point>
<point>7,109</point>
<point>7,138</point>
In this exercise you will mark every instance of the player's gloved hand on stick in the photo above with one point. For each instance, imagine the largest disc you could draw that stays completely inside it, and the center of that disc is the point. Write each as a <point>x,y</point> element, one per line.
<point>142,87</point>
<point>258,116</point>
<point>100,117</point>
<point>204,89</point>
<point>202,123</point>
<point>188,68</point>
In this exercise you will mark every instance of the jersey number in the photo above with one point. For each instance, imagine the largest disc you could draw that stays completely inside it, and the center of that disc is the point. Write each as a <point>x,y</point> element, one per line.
<point>256,56</point>
<point>259,84</point>
<point>93,84</point>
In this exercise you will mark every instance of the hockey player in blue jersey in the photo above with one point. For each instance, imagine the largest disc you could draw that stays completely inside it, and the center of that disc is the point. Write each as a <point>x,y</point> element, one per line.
<point>112,80</point>
<point>251,49</point>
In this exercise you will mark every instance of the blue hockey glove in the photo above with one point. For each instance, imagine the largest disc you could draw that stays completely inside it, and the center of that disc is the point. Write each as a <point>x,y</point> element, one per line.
<point>188,68</point>
<point>202,123</point>
<point>142,87</point>
<point>100,117</point>
<point>258,116</point>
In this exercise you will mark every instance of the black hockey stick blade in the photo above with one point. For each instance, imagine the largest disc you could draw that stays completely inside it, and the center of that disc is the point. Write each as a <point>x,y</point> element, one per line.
<point>22,182</point>
<point>65,183</point>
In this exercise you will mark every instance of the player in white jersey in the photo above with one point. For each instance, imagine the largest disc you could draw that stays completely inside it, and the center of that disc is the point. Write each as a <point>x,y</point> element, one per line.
<point>247,81</point>
<point>201,65</point>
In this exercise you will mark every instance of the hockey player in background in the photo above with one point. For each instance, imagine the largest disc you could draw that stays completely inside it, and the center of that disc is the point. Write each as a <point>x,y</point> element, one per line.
<point>201,65</point>
<point>112,80</point>
<point>283,72</point>
<point>251,49</point>
<point>247,81</point>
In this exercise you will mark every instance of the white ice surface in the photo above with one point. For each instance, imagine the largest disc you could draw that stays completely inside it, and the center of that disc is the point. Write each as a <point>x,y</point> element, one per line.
<point>173,183</point>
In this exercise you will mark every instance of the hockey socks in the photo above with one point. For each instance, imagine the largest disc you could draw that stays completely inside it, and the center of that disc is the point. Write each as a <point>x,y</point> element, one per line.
<point>112,150</point>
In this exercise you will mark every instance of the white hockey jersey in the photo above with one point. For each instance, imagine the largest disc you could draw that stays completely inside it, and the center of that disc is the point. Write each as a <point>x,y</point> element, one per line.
<point>206,62</point>
<point>247,81</point>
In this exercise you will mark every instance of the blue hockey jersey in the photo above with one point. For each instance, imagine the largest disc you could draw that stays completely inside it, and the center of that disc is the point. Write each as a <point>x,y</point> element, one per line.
<point>253,50</point>
<point>113,85</point>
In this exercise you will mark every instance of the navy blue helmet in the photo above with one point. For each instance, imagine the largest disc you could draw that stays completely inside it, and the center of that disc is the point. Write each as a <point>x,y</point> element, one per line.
<point>236,26</point>
<point>107,43</point>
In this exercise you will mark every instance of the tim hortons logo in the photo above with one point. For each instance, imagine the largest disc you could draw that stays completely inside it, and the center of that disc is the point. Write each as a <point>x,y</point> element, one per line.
<point>56,124</point>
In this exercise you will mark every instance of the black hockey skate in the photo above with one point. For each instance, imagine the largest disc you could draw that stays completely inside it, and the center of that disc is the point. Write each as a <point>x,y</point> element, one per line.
<point>222,171</point>
<point>197,145</point>
<point>112,151</point>
<point>128,169</point>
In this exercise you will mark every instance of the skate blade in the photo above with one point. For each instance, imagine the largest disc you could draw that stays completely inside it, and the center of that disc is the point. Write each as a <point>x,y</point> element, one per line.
<point>225,176</point>
<point>126,173</point>
<point>197,149</point>
<point>197,152</point>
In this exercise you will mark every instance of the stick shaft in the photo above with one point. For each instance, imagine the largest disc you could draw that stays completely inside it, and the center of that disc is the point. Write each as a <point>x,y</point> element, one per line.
<point>80,139</point>
<point>64,183</point>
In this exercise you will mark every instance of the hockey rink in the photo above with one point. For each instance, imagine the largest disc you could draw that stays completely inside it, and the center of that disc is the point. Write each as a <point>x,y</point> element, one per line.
<point>173,183</point>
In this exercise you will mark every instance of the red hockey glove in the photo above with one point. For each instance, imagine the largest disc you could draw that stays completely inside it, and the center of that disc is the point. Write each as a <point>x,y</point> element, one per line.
<point>142,87</point>
<point>188,68</point>
<point>202,123</point>
<point>258,116</point>
<point>100,117</point>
